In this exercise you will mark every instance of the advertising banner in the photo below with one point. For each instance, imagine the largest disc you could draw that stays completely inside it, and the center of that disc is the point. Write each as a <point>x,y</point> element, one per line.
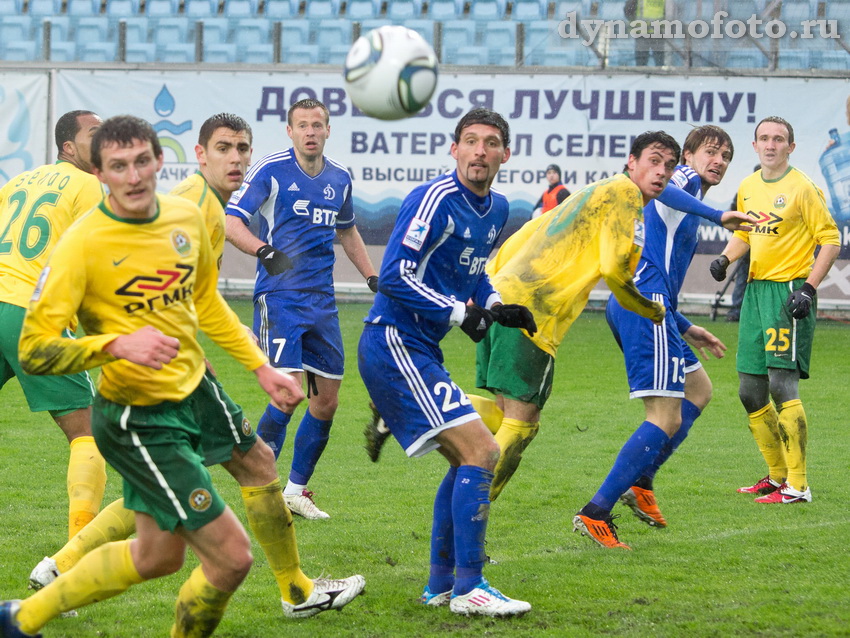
<point>23,118</point>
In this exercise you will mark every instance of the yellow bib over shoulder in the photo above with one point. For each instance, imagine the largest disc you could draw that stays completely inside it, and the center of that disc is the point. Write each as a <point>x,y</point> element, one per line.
<point>553,262</point>
<point>790,220</point>
<point>36,208</point>
<point>120,275</point>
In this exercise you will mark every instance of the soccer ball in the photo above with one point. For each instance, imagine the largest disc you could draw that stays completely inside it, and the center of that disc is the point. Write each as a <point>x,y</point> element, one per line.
<point>390,73</point>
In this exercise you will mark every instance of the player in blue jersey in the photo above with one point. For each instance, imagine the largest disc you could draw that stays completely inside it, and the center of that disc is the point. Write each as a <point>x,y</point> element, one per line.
<point>433,264</point>
<point>303,200</point>
<point>661,367</point>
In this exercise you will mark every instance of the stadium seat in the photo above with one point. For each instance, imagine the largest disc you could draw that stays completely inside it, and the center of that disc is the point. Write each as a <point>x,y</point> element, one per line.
<point>137,29</point>
<point>404,10</point>
<point>11,7</point>
<point>422,26</point>
<point>374,23</point>
<point>119,9</point>
<point>501,57</point>
<point>333,54</point>
<point>174,53</point>
<point>485,10</point>
<point>834,60</point>
<point>251,31</point>
<point>19,51</point>
<point>565,7</point>
<point>15,29</point>
<point>96,52</point>
<point>44,8</point>
<point>300,54</point>
<point>60,29</point>
<point>235,9</point>
<point>467,55</point>
<point>538,35</point>
<point>745,59</point>
<point>63,51</point>
<point>200,8</point>
<point>294,33</point>
<point>83,8</point>
<point>216,30</point>
<point>140,52</point>
<point>457,34</point>
<point>332,32</point>
<point>362,9</point>
<point>161,8</point>
<point>611,10</point>
<point>220,53</point>
<point>91,29</point>
<point>321,9</point>
<point>562,57</point>
<point>528,10</point>
<point>690,10</point>
<point>169,31</point>
<point>278,9</point>
<point>794,59</point>
<point>741,9</point>
<point>256,54</point>
<point>444,10</point>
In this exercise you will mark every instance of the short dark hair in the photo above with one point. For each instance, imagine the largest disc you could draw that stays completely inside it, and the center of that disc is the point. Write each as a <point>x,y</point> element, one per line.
<point>649,138</point>
<point>484,116</point>
<point>776,120</point>
<point>67,127</point>
<point>123,130</point>
<point>223,120</point>
<point>705,135</point>
<point>308,104</point>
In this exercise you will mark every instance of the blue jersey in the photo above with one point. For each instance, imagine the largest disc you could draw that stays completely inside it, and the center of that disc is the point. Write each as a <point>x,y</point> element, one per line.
<point>671,241</point>
<point>299,215</point>
<point>434,260</point>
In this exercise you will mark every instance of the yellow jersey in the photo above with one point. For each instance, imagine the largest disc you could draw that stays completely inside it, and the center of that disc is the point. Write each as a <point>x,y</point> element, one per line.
<point>196,189</point>
<point>553,262</point>
<point>120,275</point>
<point>790,220</point>
<point>36,208</point>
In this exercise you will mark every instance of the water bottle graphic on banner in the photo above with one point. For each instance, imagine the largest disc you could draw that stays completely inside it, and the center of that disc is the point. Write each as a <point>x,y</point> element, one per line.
<point>835,166</point>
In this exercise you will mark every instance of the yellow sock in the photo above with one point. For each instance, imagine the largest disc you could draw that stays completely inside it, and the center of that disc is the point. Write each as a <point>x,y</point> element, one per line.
<point>793,431</point>
<point>114,523</point>
<point>102,574</point>
<point>271,522</point>
<point>200,606</point>
<point>513,437</point>
<point>764,424</point>
<point>488,410</point>
<point>86,481</point>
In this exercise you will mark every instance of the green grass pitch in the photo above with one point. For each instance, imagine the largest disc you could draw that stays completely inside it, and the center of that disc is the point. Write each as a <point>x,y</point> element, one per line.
<point>724,566</point>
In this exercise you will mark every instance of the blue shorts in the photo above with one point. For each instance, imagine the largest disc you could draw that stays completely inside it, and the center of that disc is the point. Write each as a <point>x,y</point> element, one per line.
<point>657,357</point>
<point>299,331</point>
<point>411,388</point>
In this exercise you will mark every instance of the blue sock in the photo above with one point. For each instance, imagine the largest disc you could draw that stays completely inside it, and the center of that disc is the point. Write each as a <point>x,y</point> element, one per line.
<point>272,428</point>
<point>470,512</point>
<point>310,441</point>
<point>638,452</point>
<point>442,576</point>
<point>690,412</point>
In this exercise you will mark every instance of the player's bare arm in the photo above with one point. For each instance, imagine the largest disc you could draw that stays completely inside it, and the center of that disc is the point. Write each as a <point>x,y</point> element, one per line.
<point>704,341</point>
<point>241,236</point>
<point>736,220</point>
<point>355,249</point>
<point>146,346</point>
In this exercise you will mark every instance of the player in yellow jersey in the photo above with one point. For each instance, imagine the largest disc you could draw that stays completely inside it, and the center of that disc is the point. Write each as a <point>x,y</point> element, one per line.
<point>140,273</point>
<point>36,207</point>
<point>778,313</point>
<point>224,152</point>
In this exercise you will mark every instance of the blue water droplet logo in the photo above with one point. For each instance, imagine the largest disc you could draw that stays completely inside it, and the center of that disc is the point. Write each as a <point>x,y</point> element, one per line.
<point>164,102</point>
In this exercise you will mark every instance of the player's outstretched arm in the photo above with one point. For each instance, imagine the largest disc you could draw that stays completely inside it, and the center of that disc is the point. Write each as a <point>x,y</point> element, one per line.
<point>736,220</point>
<point>281,387</point>
<point>704,341</point>
<point>146,346</point>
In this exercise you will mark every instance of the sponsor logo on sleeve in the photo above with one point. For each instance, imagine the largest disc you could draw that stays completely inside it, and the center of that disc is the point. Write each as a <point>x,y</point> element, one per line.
<point>640,237</point>
<point>416,234</point>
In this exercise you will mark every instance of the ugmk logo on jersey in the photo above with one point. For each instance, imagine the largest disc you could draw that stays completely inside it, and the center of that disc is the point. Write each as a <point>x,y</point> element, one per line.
<point>763,223</point>
<point>144,285</point>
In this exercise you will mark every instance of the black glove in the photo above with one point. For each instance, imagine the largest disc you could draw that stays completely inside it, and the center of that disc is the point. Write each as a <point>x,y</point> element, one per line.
<point>274,261</point>
<point>372,282</point>
<point>718,268</point>
<point>513,315</point>
<point>799,302</point>
<point>476,322</point>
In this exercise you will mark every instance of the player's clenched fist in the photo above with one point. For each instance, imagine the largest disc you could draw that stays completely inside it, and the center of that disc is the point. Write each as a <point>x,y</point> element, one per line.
<point>146,346</point>
<point>476,322</point>
<point>281,387</point>
<point>274,261</point>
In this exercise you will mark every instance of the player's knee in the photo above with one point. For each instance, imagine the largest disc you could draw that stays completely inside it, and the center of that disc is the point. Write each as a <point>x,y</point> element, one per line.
<point>235,562</point>
<point>258,466</point>
<point>157,565</point>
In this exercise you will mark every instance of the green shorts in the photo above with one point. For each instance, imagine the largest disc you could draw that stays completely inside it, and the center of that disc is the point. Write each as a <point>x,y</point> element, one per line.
<point>157,450</point>
<point>223,424</point>
<point>58,395</point>
<point>508,363</point>
<point>768,336</point>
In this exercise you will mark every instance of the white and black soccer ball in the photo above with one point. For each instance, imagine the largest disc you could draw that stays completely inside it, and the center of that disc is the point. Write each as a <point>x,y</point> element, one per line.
<point>390,73</point>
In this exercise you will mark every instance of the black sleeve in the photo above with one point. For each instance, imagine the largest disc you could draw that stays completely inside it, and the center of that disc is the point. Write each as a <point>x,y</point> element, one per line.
<point>562,195</point>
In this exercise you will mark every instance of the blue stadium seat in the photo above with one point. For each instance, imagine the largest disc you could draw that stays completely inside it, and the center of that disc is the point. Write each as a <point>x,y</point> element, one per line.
<point>251,31</point>
<point>455,35</point>
<point>689,10</point>
<point>528,10</point>
<point>363,9</point>
<point>278,9</point>
<point>15,29</point>
<point>11,7</point>
<point>176,53</point>
<point>444,9</point>
<point>63,51</point>
<point>404,10</point>
<point>44,8</point>
<point>745,59</point>
<point>834,60</point>
<point>538,35</point>
<point>220,53</point>
<point>501,57</point>
<point>240,9</point>
<point>300,54</point>
<point>83,8</point>
<point>565,7</point>
<point>96,52</point>
<point>294,33</point>
<point>321,9</point>
<point>498,35</point>
<point>137,29</point>
<point>467,55</point>
<point>794,59</point>
<point>141,52</point>
<point>256,54</point>
<point>332,32</point>
<point>118,9</point>
<point>60,29</point>
<point>422,26</point>
<point>334,54</point>
<point>169,31</point>
<point>92,29</point>
<point>19,51</point>
<point>564,57</point>
<point>201,8</point>
<point>611,10</point>
<point>374,23</point>
<point>741,9</point>
<point>485,10</point>
<point>216,30</point>
<point>161,8</point>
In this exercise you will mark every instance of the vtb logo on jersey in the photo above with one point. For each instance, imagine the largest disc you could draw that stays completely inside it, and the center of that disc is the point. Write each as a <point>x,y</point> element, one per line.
<point>763,222</point>
<point>325,216</point>
<point>144,285</point>
<point>475,264</point>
